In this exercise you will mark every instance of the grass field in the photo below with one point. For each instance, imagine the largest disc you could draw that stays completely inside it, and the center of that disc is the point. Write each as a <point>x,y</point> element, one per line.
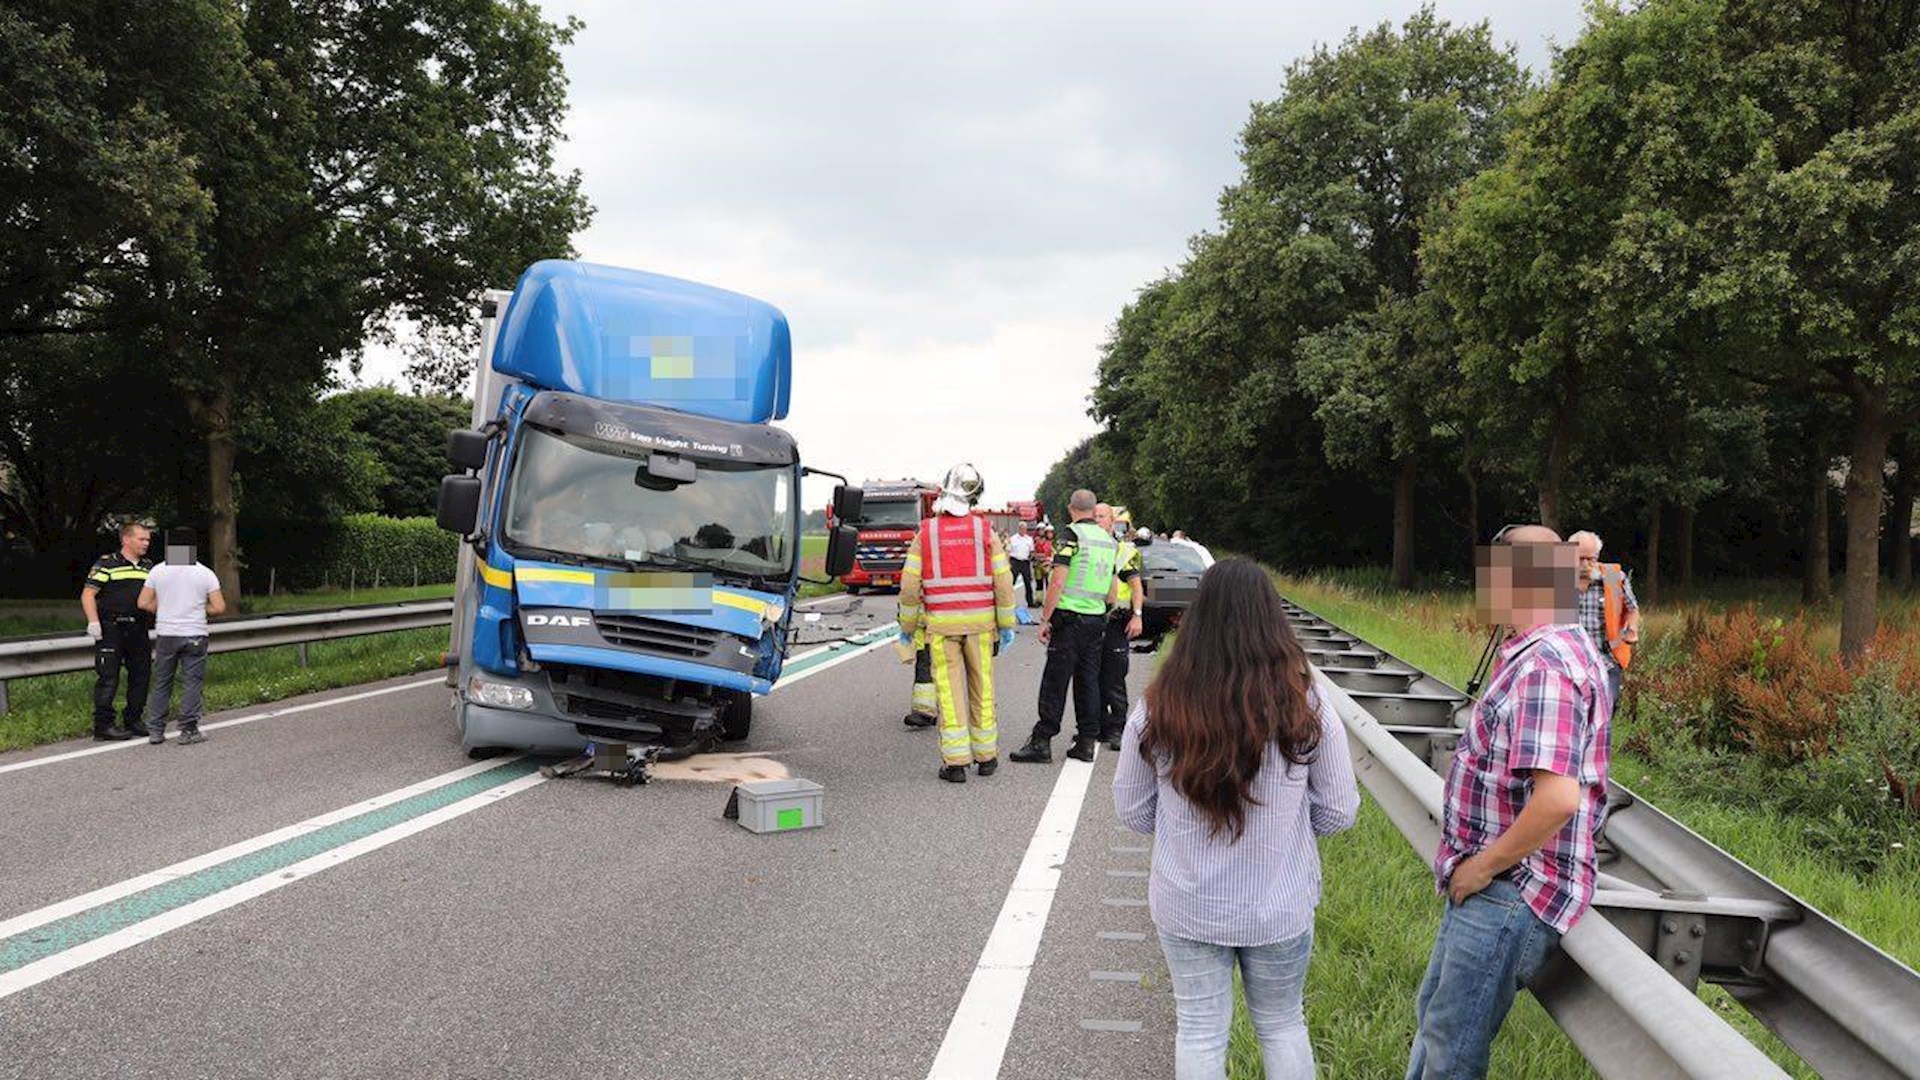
<point>1378,911</point>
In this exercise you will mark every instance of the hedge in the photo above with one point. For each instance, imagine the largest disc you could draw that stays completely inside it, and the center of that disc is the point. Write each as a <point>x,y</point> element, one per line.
<point>366,549</point>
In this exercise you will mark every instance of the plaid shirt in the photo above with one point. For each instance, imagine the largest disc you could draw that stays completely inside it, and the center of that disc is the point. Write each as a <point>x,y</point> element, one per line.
<point>1592,606</point>
<point>1546,708</point>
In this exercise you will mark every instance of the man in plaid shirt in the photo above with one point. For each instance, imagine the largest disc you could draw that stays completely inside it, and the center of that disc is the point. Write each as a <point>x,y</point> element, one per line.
<point>1525,799</point>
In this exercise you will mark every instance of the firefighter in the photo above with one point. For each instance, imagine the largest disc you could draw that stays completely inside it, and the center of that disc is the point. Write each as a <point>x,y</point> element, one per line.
<point>1080,589</point>
<point>957,590</point>
<point>923,711</point>
<point>110,599</point>
<point>1122,626</point>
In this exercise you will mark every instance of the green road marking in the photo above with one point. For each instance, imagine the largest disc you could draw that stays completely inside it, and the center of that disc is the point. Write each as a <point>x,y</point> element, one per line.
<point>816,659</point>
<point>75,930</point>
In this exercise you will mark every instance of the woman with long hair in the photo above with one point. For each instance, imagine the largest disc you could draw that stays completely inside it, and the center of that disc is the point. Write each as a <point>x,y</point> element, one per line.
<point>1235,765</point>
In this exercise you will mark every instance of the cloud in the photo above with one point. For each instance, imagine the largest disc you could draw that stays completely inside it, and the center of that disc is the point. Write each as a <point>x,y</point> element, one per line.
<point>951,203</point>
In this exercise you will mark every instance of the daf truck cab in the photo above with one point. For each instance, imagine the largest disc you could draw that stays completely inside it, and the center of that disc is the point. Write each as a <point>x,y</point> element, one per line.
<point>631,514</point>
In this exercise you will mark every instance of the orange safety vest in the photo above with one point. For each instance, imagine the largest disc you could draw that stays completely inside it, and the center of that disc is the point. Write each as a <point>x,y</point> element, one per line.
<point>1614,581</point>
<point>956,570</point>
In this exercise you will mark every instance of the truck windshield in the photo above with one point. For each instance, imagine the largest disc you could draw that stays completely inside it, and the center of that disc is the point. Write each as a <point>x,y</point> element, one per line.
<point>569,497</point>
<point>900,513</point>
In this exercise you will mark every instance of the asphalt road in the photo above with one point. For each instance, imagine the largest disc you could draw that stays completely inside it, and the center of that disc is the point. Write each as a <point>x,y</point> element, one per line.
<point>558,928</point>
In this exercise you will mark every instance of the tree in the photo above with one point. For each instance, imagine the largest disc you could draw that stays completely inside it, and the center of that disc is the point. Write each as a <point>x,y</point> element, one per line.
<point>1364,143</point>
<point>407,437</point>
<point>1823,241</point>
<point>365,162</point>
<point>100,191</point>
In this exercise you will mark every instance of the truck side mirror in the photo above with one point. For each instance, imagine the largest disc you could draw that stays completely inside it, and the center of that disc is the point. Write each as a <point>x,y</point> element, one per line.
<point>847,503</point>
<point>458,508</point>
<point>466,448</point>
<point>841,543</point>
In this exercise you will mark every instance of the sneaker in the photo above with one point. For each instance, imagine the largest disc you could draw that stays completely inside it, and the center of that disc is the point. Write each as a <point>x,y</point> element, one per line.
<point>919,720</point>
<point>1037,749</point>
<point>157,738</point>
<point>988,766</point>
<point>954,774</point>
<point>1082,749</point>
<point>191,736</point>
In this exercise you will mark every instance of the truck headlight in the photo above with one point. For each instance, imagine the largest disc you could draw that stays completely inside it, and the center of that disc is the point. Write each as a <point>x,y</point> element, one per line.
<point>499,695</point>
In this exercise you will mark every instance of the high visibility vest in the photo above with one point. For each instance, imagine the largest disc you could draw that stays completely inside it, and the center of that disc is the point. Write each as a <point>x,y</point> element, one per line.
<point>1090,575</point>
<point>1614,605</point>
<point>1127,558</point>
<point>956,569</point>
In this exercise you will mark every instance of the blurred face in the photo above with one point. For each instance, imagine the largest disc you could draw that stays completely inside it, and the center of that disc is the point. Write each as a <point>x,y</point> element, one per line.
<point>1525,585</point>
<point>1103,516</point>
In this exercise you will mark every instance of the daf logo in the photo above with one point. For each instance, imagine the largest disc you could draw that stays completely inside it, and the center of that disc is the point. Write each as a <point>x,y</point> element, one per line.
<point>559,620</point>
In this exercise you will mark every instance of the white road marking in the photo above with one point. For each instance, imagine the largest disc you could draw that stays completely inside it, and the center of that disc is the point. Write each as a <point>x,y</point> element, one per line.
<point>983,1023</point>
<point>289,710</point>
<point>49,967</point>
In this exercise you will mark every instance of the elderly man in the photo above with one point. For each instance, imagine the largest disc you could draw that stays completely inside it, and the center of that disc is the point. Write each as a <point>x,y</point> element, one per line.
<point>1525,798</point>
<point>1609,613</point>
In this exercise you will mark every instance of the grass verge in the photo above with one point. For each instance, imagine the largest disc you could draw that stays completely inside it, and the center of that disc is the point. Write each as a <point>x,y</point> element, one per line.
<point>57,707</point>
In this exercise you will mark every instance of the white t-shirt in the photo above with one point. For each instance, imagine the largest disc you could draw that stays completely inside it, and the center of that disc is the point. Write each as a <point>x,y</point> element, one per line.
<point>182,592</point>
<point>1019,546</point>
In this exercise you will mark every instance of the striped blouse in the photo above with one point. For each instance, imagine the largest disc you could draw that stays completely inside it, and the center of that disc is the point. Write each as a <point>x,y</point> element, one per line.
<point>1263,887</point>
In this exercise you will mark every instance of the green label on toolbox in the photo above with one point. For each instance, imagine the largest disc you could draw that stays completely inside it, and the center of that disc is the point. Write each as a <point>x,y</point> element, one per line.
<point>790,819</point>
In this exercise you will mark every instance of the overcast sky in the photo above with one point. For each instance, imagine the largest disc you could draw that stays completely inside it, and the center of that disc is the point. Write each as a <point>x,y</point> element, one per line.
<point>950,203</point>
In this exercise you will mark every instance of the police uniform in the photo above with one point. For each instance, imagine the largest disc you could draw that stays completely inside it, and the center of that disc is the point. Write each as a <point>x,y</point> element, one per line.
<point>1087,553</point>
<point>116,584</point>
<point>1116,646</point>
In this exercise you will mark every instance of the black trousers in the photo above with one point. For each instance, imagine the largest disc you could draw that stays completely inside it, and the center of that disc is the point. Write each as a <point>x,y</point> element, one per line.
<point>1023,573</point>
<point>1073,657</point>
<point>1115,654</point>
<point>123,643</point>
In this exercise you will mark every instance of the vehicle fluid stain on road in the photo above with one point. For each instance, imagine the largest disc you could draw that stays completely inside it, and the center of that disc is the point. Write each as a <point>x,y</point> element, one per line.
<point>721,768</point>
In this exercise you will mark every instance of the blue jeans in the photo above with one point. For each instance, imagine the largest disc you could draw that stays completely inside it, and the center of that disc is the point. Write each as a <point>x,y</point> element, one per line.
<point>1274,978</point>
<point>1488,947</point>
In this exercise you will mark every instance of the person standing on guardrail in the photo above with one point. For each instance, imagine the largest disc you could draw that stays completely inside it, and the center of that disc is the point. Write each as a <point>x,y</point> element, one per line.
<point>1080,588</point>
<point>110,600</point>
<point>1524,801</point>
<point>1610,613</point>
<point>1235,766</point>
<point>956,589</point>
<point>182,593</point>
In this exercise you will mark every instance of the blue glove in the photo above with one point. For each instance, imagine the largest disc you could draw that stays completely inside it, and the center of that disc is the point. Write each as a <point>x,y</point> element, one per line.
<point>1006,639</point>
<point>906,639</point>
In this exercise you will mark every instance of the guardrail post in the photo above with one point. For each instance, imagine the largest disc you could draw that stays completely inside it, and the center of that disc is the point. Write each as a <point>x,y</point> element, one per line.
<point>3,697</point>
<point>302,647</point>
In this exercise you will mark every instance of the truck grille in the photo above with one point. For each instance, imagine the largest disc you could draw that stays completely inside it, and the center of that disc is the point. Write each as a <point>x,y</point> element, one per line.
<point>658,635</point>
<point>886,556</point>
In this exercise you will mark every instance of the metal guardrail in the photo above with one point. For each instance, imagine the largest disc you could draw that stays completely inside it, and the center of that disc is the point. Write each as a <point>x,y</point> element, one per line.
<point>1676,910</point>
<point>55,654</point>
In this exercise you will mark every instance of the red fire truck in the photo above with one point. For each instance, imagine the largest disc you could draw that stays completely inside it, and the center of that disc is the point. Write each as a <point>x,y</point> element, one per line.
<point>891,513</point>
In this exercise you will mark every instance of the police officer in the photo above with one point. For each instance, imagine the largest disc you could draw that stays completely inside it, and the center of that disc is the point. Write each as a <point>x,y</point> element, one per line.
<point>1080,588</point>
<point>118,627</point>
<point>1123,625</point>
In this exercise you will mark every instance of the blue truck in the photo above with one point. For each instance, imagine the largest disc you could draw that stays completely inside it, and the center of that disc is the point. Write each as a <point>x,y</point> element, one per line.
<point>631,516</point>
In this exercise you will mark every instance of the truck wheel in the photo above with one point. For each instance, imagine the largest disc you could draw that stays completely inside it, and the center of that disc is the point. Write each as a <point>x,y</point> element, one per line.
<point>738,719</point>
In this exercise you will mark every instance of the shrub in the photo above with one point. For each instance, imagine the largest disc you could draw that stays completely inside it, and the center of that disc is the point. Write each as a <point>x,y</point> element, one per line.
<point>1756,683</point>
<point>363,548</point>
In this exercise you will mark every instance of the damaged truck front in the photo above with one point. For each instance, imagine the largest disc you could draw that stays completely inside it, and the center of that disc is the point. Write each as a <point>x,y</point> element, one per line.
<point>631,512</point>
